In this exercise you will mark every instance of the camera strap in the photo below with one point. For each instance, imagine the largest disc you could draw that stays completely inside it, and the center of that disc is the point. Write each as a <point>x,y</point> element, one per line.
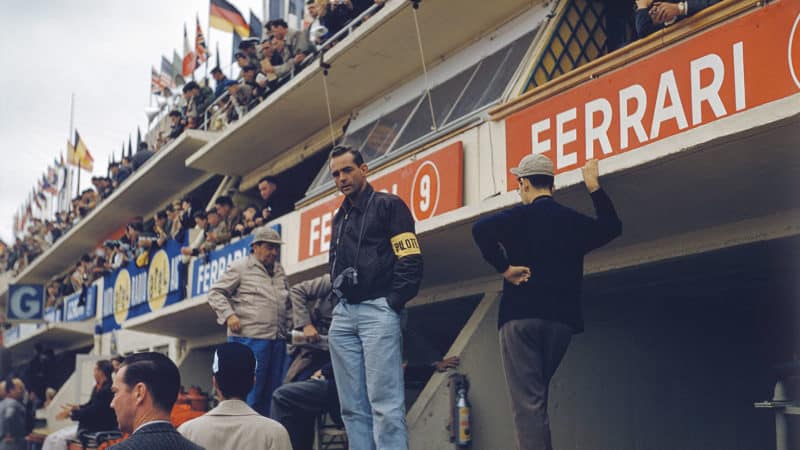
<point>360,236</point>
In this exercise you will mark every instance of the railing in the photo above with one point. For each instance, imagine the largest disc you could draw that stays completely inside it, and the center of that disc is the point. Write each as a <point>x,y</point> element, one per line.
<point>209,122</point>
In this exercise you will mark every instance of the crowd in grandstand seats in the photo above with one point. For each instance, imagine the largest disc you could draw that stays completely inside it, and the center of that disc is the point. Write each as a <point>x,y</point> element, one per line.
<point>40,235</point>
<point>215,226</point>
<point>264,65</point>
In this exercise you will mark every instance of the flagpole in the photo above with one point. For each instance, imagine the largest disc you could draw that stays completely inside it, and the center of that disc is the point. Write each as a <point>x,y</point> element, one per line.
<point>71,132</point>
<point>208,45</point>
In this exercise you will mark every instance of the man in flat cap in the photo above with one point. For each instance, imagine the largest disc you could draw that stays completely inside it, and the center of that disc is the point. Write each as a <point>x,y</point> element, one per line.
<point>249,47</point>
<point>539,247</point>
<point>252,299</point>
<point>233,424</point>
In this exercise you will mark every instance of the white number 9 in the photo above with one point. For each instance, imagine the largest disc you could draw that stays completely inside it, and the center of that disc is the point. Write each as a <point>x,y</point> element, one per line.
<point>425,193</point>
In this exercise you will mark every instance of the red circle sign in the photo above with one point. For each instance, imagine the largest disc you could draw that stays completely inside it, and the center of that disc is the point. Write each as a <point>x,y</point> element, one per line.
<point>425,191</point>
<point>794,51</point>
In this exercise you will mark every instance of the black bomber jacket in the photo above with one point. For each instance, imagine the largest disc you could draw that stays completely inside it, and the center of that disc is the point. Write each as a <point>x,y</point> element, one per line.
<point>390,260</point>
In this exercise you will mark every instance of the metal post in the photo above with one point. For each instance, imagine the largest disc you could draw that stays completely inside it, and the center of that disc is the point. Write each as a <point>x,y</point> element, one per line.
<point>781,423</point>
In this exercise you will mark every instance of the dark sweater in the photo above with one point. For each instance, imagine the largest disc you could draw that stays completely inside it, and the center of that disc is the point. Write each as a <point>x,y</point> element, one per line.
<point>96,414</point>
<point>645,25</point>
<point>551,240</point>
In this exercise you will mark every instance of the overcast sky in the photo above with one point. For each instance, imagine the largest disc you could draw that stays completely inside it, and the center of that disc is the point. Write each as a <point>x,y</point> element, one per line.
<point>102,51</point>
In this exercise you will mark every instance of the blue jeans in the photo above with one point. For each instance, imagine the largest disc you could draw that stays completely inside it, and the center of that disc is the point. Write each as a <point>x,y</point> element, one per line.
<point>366,351</point>
<point>272,362</point>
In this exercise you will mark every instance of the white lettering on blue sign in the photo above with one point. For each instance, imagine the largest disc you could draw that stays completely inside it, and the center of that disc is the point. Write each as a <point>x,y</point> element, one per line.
<point>138,289</point>
<point>173,274</point>
<point>108,301</point>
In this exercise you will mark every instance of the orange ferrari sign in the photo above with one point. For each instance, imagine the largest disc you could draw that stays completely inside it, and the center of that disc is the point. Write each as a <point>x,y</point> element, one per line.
<point>742,64</point>
<point>430,186</point>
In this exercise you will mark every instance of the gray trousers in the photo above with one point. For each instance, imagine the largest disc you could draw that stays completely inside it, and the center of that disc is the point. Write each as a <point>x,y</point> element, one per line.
<point>532,349</point>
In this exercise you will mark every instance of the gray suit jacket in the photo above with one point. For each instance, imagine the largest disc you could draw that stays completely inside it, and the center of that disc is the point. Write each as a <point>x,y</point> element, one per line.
<point>156,436</point>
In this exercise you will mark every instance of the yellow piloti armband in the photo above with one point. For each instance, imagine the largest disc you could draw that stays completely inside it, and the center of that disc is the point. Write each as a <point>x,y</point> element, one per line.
<point>405,244</point>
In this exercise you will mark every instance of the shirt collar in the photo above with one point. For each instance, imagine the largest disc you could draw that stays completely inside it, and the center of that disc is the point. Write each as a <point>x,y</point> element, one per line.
<point>254,262</point>
<point>152,422</point>
<point>232,407</point>
<point>361,202</point>
<point>541,197</point>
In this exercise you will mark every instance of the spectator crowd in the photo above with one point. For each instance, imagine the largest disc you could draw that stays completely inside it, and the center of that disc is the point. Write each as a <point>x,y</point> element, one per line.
<point>212,227</point>
<point>265,64</point>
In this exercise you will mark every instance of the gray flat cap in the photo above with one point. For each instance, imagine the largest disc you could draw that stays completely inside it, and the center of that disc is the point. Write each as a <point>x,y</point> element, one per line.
<point>536,164</point>
<point>266,234</point>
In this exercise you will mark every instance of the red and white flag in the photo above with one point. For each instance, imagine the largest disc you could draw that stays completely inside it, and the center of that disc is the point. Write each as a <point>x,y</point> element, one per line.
<point>200,48</point>
<point>189,57</point>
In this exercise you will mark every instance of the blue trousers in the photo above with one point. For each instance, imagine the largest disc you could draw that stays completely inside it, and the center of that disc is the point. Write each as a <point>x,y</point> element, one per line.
<point>366,345</point>
<point>272,362</point>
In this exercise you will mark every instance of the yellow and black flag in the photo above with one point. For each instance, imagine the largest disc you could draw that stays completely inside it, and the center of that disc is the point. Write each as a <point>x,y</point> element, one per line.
<point>78,154</point>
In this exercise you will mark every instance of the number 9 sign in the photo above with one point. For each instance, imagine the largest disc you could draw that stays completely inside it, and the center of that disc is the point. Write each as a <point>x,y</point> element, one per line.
<point>425,191</point>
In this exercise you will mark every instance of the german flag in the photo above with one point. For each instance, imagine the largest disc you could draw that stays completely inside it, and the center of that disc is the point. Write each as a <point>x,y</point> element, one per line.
<point>224,16</point>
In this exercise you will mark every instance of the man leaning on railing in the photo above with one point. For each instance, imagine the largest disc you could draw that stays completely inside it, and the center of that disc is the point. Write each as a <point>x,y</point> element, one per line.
<point>652,16</point>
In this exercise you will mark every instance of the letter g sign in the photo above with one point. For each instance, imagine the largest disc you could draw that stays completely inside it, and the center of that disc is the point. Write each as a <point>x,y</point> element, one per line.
<point>25,302</point>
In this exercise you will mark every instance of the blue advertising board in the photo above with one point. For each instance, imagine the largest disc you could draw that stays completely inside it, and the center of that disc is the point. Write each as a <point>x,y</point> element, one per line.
<point>52,315</point>
<point>208,268</point>
<point>76,310</point>
<point>132,291</point>
<point>25,302</point>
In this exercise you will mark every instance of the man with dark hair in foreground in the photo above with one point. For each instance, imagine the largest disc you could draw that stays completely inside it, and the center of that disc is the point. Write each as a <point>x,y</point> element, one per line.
<point>233,424</point>
<point>539,247</point>
<point>145,389</point>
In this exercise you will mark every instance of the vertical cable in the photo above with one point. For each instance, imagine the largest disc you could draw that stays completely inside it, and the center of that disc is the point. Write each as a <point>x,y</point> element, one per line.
<point>328,102</point>
<point>424,66</point>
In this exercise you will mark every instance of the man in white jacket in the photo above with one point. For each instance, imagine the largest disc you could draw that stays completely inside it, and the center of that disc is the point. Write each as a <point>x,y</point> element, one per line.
<point>233,424</point>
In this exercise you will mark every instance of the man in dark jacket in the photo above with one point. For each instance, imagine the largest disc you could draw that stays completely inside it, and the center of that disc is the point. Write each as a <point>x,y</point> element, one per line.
<point>222,82</point>
<point>652,16</point>
<point>93,416</point>
<point>97,415</point>
<point>198,100</point>
<point>145,389</point>
<point>376,268</point>
<point>539,248</point>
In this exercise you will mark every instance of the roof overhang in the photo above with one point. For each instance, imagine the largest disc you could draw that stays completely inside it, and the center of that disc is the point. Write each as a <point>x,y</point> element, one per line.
<point>375,58</point>
<point>58,336</point>
<point>140,195</point>
<point>736,186</point>
<point>190,319</point>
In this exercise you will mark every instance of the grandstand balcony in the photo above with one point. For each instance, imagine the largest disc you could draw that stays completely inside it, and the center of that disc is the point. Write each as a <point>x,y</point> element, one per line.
<point>160,179</point>
<point>369,62</point>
